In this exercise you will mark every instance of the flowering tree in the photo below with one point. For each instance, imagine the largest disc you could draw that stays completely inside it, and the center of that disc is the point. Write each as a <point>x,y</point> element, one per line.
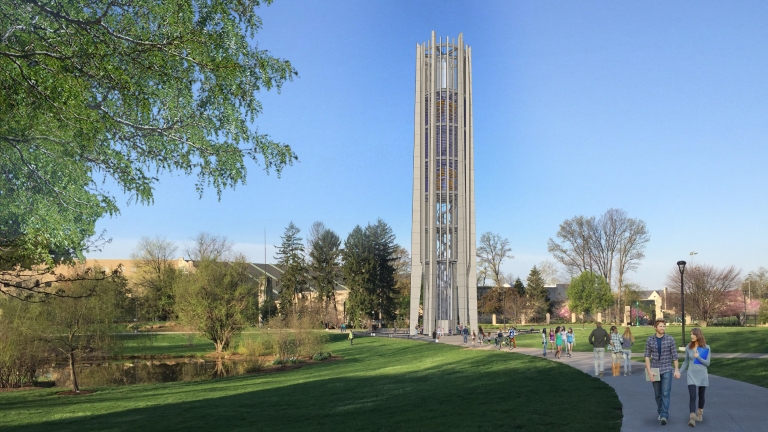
<point>735,302</point>
<point>564,312</point>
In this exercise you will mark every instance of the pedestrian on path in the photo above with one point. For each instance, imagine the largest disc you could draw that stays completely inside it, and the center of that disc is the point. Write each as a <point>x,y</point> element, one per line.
<point>617,352</point>
<point>598,339</point>
<point>552,340</point>
<point>465,333</point>
<point>626,350</point>
<point>558,342</point>
<point>480,336</point>
<point>474,337</point>
<point>512,334</point>
<point>660,354</point>
<point>697,358</point>
<point>351,338</point>
<point>544,340</point>
<point>569,338</point>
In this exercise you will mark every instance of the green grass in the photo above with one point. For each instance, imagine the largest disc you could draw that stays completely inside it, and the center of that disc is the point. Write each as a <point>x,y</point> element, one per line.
<point>753,371</point>
<point>382,384</point>
<point>721,339</point>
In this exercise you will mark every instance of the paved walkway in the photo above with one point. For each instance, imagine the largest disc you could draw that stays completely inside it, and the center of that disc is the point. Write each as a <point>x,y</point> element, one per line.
<point>730,405</point>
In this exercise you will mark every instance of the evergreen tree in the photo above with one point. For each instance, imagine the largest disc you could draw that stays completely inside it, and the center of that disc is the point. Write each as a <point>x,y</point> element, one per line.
<point>536,294</point>
<point>324,255</point>
<point>382,241</point>
<point>290,258</point>
<point>357,269</point>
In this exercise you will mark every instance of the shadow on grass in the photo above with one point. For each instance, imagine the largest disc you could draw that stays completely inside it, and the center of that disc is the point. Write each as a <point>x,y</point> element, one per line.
<point>381,385</point>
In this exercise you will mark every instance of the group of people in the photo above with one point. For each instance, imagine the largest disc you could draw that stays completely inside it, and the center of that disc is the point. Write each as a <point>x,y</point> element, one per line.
<point>661,364</point>
<point>558,339</point>
<point>498,339</point>
<point>619,345</point>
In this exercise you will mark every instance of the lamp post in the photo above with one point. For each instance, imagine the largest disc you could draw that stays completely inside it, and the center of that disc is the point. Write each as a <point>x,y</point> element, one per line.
<point>749,280</point>
<point>637,313</point>
<point>681,267</point>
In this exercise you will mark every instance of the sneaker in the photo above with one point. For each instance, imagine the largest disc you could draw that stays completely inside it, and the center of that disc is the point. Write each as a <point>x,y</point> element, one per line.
<point>663,421</point>
<point>601,373</point>
<point>659,418</point>
<point>598,375</point>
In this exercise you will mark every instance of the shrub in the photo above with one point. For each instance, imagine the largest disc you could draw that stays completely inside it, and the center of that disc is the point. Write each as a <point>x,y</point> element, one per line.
<point>255,348</point>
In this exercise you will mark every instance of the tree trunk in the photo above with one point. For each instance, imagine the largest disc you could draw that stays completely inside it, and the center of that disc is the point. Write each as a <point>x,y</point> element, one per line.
<point>72,373</point>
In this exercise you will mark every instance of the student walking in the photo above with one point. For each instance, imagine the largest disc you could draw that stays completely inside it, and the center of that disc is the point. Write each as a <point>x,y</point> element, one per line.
<point>617,352</point>
<point>626,350</point>
<point>474,337</point>
<point>697,358</point>
<point>660,355</point>
<point>558,342</point>
<point>465,333</point>
<point>552,340</point>
<point>512,342</point>
<point>569,338</point>
<point>351,338</point>
<point>598,339</point>
<point>544,340</point>
<point>480,336</point>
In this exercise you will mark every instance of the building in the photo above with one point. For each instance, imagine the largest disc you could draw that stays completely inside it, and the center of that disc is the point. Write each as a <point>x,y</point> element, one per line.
<point>443,255</point>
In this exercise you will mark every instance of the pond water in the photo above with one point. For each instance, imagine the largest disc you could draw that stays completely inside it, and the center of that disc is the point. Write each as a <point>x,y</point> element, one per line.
<point>100,374</point>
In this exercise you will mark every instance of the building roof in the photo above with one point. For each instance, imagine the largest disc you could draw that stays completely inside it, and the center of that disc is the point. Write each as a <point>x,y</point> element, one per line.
<point>557,293</point>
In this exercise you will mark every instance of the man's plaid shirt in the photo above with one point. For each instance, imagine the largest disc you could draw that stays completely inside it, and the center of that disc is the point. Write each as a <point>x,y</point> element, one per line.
<point>662,360</point>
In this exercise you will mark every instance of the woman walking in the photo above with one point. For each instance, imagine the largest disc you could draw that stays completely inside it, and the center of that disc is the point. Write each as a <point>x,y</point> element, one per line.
<point>697,357</point>
<point>569,338</point>
<point>544,340</point>
<point>474,337</point>
<point>480,336</point>
<point>558,342</point>
<point>552,340</point>
<point>626,349</point>
<point>616,350</point>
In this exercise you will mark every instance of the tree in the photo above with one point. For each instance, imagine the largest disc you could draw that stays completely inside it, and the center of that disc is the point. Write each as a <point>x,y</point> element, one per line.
<point>357,268</point>
<point>574,252</point>
<point>384,248</point>
<point>491,253</point>
<point>156,276</point>
<point>634,237</point>
<point>290,257</point>
<point>324,257</point>
<point>209,247</point>
<point>402,264</point>
<point>536,294</point>
<point>123,91</point>
<point>587,293</point>
<point>369,270</point>
<point>705,288</point>
<point>551,273</point>
<point>757,283</point>
<point>79,324</point>
<point>218,299</point>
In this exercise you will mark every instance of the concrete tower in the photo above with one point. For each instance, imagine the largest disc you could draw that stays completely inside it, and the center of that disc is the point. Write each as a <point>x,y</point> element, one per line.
<point>443,255</point>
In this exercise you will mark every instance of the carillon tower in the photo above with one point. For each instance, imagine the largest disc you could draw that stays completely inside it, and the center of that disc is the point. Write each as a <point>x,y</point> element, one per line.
<point>443,271</point>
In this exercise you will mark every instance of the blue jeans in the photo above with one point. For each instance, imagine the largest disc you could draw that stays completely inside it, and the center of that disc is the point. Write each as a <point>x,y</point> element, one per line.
<point>627,364</point>
<point>662,389</point>
<point>465,338</point>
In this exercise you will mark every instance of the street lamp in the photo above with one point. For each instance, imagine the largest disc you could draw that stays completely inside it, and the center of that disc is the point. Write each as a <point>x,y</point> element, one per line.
<point>681,267</point>
<point>749,281</point>
<point>637,313</point>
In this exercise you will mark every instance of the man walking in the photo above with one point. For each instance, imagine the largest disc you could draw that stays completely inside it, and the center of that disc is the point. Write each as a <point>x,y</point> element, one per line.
<point>465,332</point>
<point>512,342</point>
<point>661,353</point>
<point>598,339</point>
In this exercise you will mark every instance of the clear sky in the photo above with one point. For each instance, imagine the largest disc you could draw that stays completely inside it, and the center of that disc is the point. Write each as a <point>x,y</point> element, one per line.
<point>658,108</point>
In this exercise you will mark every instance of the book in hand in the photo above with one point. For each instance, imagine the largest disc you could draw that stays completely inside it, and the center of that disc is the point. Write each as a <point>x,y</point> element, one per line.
<point>655,373</point>
<point>703,354</point>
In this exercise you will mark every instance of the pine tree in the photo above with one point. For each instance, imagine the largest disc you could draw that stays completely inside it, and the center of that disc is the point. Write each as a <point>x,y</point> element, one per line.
<point>536,294</point>
<point>324,257</point>
<point>290,257</point>
<point>357,269</point>
<point>382,241</point>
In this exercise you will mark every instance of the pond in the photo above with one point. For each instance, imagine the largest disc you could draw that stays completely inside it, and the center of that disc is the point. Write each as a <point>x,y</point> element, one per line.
<point>99,374</point>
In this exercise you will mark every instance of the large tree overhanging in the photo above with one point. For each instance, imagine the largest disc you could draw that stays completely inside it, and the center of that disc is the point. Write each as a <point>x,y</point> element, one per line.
<point>123,90</point>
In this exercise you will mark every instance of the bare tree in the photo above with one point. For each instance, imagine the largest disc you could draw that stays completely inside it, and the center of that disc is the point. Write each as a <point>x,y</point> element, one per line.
<point>706,288</point>
<point>156,275</point>
<point>491,254</point>
<point>574,250</point>
<point>551,273</point>
<point>208,247</point>
<point>315,231</point>
<point>631,249</point>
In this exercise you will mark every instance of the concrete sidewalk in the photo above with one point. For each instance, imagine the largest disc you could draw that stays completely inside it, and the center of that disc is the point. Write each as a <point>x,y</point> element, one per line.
<point>730,405</point>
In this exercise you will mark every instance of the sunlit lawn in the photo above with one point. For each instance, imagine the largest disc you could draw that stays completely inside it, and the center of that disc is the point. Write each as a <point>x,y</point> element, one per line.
<point>382,384</point>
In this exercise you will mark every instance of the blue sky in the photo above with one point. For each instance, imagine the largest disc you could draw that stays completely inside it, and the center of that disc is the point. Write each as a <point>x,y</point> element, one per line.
<point>657,108</point>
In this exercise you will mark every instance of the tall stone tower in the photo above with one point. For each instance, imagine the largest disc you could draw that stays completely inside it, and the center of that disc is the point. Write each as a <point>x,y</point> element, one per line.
<point>443,272</point>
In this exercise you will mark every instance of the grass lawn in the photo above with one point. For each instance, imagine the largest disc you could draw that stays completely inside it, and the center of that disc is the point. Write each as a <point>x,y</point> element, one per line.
<point>721,339</point>
<point>382,384</point>
<point>753,371</point>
